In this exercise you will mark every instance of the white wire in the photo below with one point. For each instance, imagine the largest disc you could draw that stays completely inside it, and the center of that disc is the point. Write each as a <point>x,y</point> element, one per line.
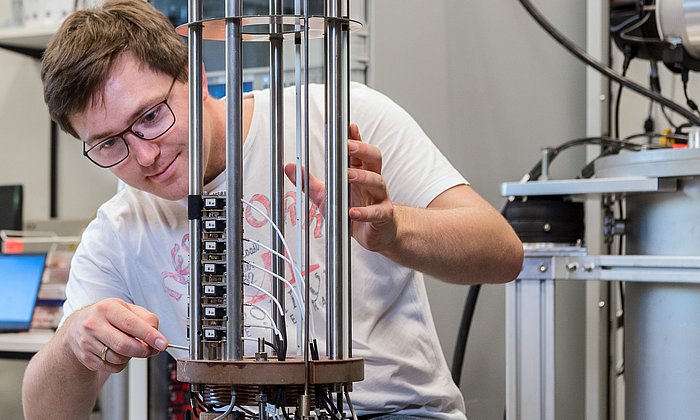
<point>267,314</point>
<point>274,299</point>
<point>274,226</point>
<point>352,409</point>
<point>230,407</point>
<point>296,269</point>
<point>295,292</point>
<point>302,316</point>
<point>300,302</point>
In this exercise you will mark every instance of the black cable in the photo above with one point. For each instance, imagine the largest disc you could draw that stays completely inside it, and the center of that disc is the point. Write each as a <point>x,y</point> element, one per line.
<point>625,66</point>
<point>681,137</point>
<point>272,346</point>
<point>602,68</point>
<point>691,104</point>
<point>614,144</point>
<point>655,84</point>
<point>636,39</point>
<point>463,334</point>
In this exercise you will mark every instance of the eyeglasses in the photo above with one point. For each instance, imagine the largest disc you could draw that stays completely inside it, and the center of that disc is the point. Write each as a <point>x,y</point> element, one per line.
<point>149,126</point>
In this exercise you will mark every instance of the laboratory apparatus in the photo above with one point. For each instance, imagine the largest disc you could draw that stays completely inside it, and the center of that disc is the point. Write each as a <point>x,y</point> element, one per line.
<point>235,371</point>
<point>643,189</point>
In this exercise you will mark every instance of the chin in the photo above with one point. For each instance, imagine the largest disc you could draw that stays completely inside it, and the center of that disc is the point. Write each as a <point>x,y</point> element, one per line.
<point>168,192</point>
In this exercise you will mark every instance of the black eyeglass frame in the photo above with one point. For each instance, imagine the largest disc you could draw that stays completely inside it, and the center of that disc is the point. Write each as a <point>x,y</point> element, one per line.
<point>120,135</point>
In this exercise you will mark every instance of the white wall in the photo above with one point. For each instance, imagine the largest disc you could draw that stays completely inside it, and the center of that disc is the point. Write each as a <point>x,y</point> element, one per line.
<point>25,147</point>
<point>490,88</point>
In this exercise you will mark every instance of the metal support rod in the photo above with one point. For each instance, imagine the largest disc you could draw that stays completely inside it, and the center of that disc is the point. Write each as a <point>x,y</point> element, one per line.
<point>195,170</point>
<point>299,149</point>
<point>546,154</point>
<point>307,207</point>
<point>234,182</point>
<point>277,153</point>
<point>337,238</point>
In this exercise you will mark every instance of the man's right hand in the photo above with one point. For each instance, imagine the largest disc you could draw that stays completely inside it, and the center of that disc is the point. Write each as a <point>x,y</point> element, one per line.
<point>123,329</point>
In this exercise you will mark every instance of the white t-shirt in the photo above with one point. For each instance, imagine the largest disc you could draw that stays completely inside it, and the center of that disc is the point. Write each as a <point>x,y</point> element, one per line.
<point>137,249</point>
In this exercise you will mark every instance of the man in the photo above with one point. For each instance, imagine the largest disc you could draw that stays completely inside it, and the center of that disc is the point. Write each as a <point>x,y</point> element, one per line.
<point>115,78</point>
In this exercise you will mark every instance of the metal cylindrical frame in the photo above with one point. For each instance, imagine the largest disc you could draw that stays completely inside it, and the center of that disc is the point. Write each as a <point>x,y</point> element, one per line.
<point>336,50</point>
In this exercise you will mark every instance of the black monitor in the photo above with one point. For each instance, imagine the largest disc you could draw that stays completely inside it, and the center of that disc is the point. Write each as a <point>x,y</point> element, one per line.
<point>11,198</point>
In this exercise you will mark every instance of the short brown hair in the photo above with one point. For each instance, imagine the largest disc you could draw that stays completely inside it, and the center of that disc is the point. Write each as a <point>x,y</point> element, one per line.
<point>81,54</point>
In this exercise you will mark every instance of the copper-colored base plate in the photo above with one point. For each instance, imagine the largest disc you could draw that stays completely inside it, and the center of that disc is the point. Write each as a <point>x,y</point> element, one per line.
<point>272,372</point>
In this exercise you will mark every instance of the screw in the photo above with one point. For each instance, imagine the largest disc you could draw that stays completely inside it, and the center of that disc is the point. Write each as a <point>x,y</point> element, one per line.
<point>572,266</point>
<point>547,227</point>
<point>543,268</point>
<point>589,267</point>
<point>601,304</point>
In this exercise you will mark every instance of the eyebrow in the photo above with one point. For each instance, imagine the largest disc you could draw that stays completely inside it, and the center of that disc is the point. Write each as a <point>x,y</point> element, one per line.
<point>132,118</point>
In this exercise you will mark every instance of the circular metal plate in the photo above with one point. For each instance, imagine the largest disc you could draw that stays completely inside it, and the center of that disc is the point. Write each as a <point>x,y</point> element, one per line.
<point>271,372</point>
<point>657,163</point>
<point>264,28</point>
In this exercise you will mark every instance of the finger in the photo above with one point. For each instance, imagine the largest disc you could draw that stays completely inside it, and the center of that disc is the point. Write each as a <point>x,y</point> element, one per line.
<point>354,132</point>
<point>95,363</point>
<point>317,188</point>
<point>379,213</point>
<point>131,332</point>
<point>111,356</point>
<point>145,314</point>
<point>368,182</point>
<point>365,155</point>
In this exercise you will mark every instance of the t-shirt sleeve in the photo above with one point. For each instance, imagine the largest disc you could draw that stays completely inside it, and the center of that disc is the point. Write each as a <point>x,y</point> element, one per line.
<point>93,274</point>
<point>415,171</point>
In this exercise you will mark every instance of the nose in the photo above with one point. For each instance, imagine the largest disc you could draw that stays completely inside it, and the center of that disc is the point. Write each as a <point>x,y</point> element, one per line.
<point>144,151</point>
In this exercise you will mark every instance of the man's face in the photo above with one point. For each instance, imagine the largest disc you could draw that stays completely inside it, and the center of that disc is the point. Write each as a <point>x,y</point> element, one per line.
<point>158,166</point>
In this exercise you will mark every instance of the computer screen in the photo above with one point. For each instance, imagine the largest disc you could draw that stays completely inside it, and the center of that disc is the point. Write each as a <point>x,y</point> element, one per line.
<point>20,279</point>
<point>11,207</point>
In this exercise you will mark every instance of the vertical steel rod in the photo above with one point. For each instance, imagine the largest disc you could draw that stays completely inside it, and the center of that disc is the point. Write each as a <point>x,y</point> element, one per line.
<point>347,234</point>
<point>234,182</point>
<point>307,207</point>
<point>299,150</point>
<point>337,249</point>
<point>277,155</point>
<point>195,171</point>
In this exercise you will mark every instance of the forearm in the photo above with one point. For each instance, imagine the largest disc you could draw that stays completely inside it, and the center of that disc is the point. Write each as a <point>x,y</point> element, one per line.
<point>57,385</point>
<point>471,244</point>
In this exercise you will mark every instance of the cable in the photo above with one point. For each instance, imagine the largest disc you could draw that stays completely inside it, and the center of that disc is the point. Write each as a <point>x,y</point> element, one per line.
<point>230,407</point>
<point>691,104</point>
<point>274,226</point>
<point>625,66</point>
<point>273,324</point>
<point>300,303</point>
<point>297,298</point>
<point>296,270</point>
<point>636,39</point>
<point>267,343</point>
<point>463,334</point>
<point>274,299</point>
<point>655,85</point>
<point>536,171</point>
<point>602,68</point>
<point>352,409</point>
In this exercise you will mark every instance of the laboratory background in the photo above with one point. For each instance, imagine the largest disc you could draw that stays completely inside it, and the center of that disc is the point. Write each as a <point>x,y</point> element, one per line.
<point>601,323</point>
